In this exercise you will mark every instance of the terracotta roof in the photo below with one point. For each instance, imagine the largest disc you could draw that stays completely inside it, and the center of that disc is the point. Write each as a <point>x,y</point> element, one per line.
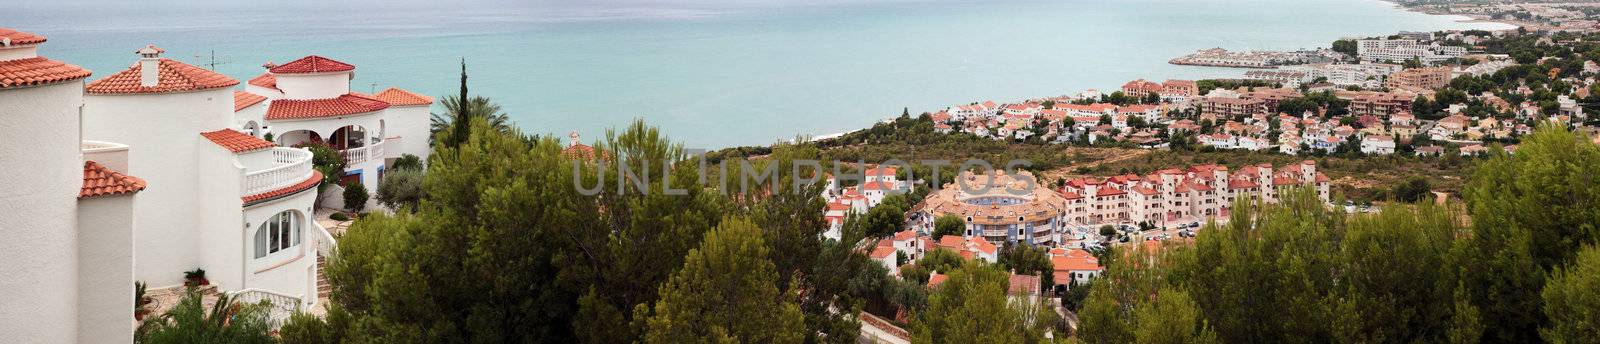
<point>905,235</point>
<point>1070,263</point>
<point>173,76</point>
<point>312,64</point>
<point>19,37</point>
<point>935,279</point>
<point>235,141</point>
<point>1024,285</point>
<point>37,71</point>
<point>348,104</point>
<point>1240,184</point>
<point>309,183</point>
<point>266,80</point>
<point>399,97</point>
<point>242,99</point>
<point>101,181</point>
<point>882,252</point>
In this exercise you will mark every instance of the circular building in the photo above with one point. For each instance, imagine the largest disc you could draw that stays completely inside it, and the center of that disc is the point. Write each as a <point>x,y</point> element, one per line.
<point>1001,207</point>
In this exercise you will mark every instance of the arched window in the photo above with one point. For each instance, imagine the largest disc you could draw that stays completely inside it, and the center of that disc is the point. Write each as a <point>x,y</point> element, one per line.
<point>280,232</point>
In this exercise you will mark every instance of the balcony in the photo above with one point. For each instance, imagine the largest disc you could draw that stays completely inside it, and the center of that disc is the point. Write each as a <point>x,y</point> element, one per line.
<point>359,155</point>
<point>287,167</point>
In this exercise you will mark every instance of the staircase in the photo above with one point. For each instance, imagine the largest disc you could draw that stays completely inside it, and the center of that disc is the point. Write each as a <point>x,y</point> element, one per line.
<point>323,287</point>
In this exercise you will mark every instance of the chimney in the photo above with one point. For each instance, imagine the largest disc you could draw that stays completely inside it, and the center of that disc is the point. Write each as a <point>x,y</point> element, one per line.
<point>149,65</point>
<point>574,137</point>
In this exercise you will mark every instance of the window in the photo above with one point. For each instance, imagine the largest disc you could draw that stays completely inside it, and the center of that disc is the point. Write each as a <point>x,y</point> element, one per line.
<point>279,232</point>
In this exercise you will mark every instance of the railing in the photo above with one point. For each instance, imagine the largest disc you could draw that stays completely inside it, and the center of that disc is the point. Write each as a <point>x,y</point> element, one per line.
<point>360,155</point>
<point>291,166</point>
<point>282,305</point>
<point>325,242</point>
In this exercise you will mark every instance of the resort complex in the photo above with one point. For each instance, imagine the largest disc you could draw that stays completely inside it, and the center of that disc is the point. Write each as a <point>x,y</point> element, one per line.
<point>167,174</point>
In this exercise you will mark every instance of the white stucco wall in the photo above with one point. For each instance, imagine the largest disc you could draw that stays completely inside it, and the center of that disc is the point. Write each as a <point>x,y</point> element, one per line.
<point>105,274</point>
<point>252,113</point>
<point>219,216</point>
<point>268,92</point>
<point>284,271</point>
<point>314,86</point>
<point>407,131</point>
<point>164,133</point>
<point>40,177</point>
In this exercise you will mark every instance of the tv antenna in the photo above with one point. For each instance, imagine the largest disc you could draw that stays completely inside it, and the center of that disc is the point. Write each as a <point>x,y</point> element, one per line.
<point>211,61</point>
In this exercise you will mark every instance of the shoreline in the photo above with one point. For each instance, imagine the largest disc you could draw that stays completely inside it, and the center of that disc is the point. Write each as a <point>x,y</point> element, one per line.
<point>1459,18</point>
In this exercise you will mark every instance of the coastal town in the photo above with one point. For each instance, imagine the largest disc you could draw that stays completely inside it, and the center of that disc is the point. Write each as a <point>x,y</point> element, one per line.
<point>1367,104</point>
<point>167,187</point>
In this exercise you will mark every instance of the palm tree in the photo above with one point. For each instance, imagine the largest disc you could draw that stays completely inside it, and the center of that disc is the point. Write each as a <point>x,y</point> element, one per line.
<point>228,322</point>
<point>477,106</point>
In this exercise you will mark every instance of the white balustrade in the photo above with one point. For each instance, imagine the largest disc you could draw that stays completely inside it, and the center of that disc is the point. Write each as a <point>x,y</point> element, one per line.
<point>290,166</point>
<point>362,154</point>
<point>282,306</point>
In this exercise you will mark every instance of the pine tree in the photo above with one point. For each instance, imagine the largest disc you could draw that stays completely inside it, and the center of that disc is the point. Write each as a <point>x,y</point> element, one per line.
<point>725,293</point>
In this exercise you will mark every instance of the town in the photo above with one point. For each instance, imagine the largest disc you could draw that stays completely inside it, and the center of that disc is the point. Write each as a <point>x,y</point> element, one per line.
<point>153,193</point>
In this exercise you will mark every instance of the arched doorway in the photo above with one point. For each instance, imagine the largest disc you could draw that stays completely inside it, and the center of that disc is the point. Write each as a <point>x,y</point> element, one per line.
<point>297,137</point>
<point>252,128</point>
<point>348,137</point>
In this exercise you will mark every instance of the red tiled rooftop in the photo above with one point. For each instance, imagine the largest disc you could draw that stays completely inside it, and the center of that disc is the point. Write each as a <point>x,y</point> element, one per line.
<point>400,97</point>
<point>235,141</point>
<point>348,104</point>
<point>242,99</point>
<point>19,37</point>
<point>173,76</point>
<point>101,181</point>
<point>312,64</point>
<point>37,71</point>
<point>265,80</point>
<point>309,183</point>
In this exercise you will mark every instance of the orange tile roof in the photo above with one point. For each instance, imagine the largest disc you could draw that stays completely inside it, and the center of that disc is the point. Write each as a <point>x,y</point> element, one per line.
<point>19,37</point>
<point>1075,264</point>
<point>266,80</point>
<point>935,279</point>
<point>242,99</point>
<point>173,76</point>
<point>882,252</point>
<point>1023,285</point>
<point>309,183</point>
<point>905,235</point>
<point>101,181</point>
<point>400,97</point>
<point>348,104</point>
<point>235,141</point>
<point>312,64</point>
<point>37,71</point>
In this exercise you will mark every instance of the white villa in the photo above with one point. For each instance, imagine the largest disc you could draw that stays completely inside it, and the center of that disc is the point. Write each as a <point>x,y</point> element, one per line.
<point>214,194</point>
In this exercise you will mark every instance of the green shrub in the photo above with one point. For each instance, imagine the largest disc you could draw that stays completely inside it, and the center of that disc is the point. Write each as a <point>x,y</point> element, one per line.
<point>327,160</point>
<point>339,217</point>
<point>406,162</point>
<point>355,197</point>
<point>401,189</point>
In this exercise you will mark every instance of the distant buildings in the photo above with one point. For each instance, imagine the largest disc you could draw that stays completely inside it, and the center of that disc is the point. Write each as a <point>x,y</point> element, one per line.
<point>1401,50</point>
<point>1419,79</point>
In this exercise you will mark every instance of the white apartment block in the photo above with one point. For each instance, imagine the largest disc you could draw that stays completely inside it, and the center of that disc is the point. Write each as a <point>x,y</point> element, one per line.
<point>1401,50</point>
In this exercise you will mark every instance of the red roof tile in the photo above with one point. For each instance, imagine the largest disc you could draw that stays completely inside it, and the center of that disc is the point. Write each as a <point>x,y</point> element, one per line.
<point>309,183</point>
<point>399,97</point>
<point>266,80</point>
<point>235,141</point>
<point>312,64</point>
<point>37,71</point>
<point>19,37</point>
<point>101,181</point>
<point>173,76</point>
<point>348,104</point>
<point>242,99</point>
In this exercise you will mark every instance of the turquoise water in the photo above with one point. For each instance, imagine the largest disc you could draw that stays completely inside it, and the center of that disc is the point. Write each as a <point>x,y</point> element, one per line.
<point>715,73</point>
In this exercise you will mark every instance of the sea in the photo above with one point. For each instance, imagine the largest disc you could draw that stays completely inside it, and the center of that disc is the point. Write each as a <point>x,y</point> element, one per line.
<point>713,73</point>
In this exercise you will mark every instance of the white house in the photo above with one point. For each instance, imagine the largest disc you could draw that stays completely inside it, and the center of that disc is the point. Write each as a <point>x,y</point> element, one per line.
<point>1377,145</point>
<point>219,198</point>
<point>68,252</point>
